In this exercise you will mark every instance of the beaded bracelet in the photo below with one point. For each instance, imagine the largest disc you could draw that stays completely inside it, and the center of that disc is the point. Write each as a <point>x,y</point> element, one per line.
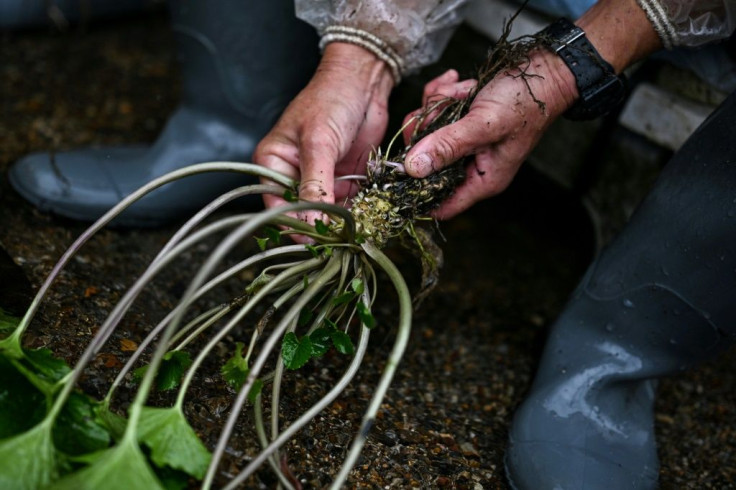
<point>661,23</point>
<point>366,40</point>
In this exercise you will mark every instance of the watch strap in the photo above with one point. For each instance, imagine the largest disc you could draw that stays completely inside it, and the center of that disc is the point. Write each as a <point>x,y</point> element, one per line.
<point>600,89</point>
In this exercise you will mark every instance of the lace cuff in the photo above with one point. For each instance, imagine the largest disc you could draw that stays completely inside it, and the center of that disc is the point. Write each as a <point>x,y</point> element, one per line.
<point>411,33</point>
<point>690,22</point>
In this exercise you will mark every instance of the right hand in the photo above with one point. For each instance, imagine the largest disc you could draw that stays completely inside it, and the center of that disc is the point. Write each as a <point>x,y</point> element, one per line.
<point>502,125</point>
<point>330,127</point>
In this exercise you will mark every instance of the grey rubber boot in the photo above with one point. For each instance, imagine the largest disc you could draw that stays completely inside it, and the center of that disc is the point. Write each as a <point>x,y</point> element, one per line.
<point>19,14</point>
<point>242,62</point>
<point>658,300</point>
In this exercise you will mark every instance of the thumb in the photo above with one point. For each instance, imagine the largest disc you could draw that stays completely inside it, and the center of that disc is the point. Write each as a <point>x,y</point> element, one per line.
<point>446,146</point>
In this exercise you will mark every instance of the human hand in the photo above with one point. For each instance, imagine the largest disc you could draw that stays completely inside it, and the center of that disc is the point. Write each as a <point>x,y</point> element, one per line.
<point>437,94</point>
<point>502,126</point>
<point>505,121</point>
<point>330,127</point>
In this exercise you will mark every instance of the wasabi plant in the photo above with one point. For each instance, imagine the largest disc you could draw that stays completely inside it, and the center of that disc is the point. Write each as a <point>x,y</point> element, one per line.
<point>303,301</point>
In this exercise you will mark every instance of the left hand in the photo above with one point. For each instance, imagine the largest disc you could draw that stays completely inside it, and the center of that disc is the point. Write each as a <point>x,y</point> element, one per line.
<point>328,130</point>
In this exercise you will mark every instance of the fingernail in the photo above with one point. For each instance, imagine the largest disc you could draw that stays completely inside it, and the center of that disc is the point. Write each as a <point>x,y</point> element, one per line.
<point>420,165</point>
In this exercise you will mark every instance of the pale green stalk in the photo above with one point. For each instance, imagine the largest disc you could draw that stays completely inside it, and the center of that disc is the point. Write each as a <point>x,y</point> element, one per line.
<point>315,410</point>
<point>290,249</point>
<point>402,339</point>
<point>294,271</point>
<point>248,168</point>
<point>217,256</point>
<point>123,305</point>
<point>331,269</point>
<point>213,206</point>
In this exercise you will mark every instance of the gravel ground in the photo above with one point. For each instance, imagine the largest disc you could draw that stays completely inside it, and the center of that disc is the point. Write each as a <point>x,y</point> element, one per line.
<point>510,264</point>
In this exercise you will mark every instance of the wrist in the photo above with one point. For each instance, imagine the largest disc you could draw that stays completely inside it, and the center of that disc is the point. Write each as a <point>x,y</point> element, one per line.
<point>600,89</point>
<point>620,31</point>
<point>557,81</point>
<point>369,42</point>
<point>350,60</point>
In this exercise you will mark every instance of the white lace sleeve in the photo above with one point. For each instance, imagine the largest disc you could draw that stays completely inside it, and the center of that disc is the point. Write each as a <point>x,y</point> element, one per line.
<point>416,30</point>
<point>691,22</point>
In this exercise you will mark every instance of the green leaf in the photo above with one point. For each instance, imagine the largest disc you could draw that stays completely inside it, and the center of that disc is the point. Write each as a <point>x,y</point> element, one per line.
<point>262,243</point>
<point>273,234</point>
<point>289,196</point>
<point>22,405</point>
<point>172,441</point>
<point>255,390</point>
<point>172,479</point>
<point>10,348</point>
<point>114,423</point>
<point>327,250</point>
<point>123,467</point>
<point>8,322</point>
<point>39,366</point>
<point>305,316</point>
<point>235,370</point>
<point>51,368</point>
<point>173,366</point>
<point>79,430</point>
<point>359,238</point>
<point>342,342</point>
<point>321,341</point>
<point>321,227</point>
<point>343,298</point>
<point>365,315</point>
<point>357,286</point>
<point>28,460</point>
<point>68,463</point>
<point>139,373</point>
<point>288,347</point>
<point>295,352</point>
<point>312,249</point>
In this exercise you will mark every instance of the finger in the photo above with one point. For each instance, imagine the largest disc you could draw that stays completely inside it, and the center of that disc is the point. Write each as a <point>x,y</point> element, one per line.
<point>275,152</point>
<point>319,152</point>
<point>422,118</point>
<point>456,90</point>
<point>465,195</point>
<point>430,89</point>
<point>352,171</point>
<point>447,145</point>
<point>278,200</point>
<point>410,124</point>
<point>369,135</point>
<point>490,173</point>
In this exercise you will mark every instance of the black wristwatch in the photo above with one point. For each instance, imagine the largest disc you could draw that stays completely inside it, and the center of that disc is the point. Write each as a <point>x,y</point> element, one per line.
<point>601,90</point>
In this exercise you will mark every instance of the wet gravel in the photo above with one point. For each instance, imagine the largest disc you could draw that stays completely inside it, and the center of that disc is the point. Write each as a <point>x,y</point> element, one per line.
<point>510,264</point>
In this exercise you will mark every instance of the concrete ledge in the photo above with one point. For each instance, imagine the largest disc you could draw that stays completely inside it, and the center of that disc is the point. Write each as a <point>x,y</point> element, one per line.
<point>663,117</point>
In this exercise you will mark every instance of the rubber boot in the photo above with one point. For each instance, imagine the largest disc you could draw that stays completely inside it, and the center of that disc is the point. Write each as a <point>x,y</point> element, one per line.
<point>19,14</point>
<point>657,301</point>
<point>243,61</point>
